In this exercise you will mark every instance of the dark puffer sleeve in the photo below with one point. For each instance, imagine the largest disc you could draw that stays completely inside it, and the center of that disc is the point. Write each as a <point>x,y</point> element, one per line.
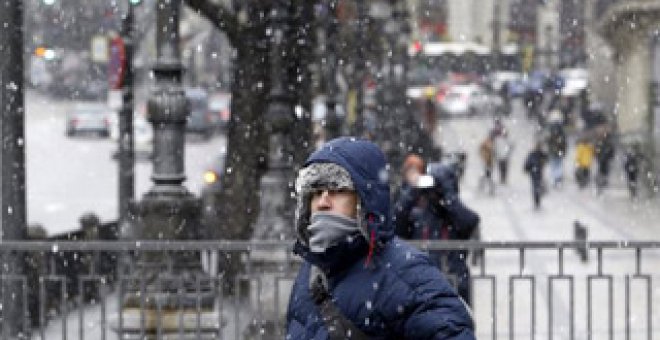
<point>464,219</point>
<point>405,202</point>
<point>432,309</point>
<point>299,308</point>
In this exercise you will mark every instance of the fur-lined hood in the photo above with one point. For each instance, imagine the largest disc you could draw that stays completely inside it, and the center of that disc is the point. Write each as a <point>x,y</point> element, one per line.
<point>366,165</point>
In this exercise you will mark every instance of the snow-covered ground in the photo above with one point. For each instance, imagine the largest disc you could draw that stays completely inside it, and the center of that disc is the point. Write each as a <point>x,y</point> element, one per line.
<point>508,215</point>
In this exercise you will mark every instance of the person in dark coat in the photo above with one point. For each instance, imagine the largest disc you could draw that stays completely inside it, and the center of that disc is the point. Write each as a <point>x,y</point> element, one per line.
<point>377,285</point>
<point>434,211</point>
<point>631,164</point>
<point>605,149</point>
<point>557,145</point>
<point>505,94</point>
<point>534,164</point>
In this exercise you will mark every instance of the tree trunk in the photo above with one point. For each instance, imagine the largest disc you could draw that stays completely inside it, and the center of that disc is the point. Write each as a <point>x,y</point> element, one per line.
<point>237,204</point>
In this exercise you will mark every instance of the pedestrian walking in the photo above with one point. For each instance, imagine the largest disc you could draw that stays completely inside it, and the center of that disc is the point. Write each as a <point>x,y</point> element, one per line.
<point>604,149</point>
<point>430,112</point>
<point>487,154</point>
<point>557,145</point>
<point>430,208</point>
<point>502,148</point>
<point>533,100</point>
<point>584,155</point>
<point>505,94</point>
<point>358,280</point>
<point>534,164</point>
<point>631,165</point>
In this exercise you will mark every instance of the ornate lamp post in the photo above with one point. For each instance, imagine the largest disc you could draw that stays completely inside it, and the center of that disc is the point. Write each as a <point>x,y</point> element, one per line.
<point>328,50</point>
<point>360,65</point>
<point>169,285</point>
<point>280,114</point>
<point>279,123</point>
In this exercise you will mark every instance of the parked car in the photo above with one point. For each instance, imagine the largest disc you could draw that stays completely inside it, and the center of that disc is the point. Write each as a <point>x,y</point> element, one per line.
<point>220,108</point>
<point>497,79</point>
<point>200,121</point>
<point>470,100</point>
<point>574,81</point>
<point>143,134</point>
<point>88,118</point>
<point>143,140</point>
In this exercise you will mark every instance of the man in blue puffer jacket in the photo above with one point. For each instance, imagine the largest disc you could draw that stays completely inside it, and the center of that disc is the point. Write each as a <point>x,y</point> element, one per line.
<point>381,286</point>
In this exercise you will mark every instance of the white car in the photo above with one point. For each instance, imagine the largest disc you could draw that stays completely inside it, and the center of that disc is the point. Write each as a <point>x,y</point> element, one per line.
<point>470,100</point>
<point>575,80</point>
<point>497,79</point>
<point>143,135</point>
<point>220,107</point>
<point>88,117</point>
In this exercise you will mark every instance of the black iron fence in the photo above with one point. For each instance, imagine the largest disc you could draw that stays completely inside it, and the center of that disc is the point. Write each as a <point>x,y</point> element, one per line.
<point>521,290</point>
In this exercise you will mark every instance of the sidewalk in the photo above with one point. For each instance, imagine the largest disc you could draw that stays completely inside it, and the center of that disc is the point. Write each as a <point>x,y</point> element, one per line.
<point>541,305</point>
<point>509,214</point>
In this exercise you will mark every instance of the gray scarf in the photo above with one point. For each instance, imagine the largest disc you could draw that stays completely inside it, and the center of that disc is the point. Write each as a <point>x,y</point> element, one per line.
<point>328,229</point>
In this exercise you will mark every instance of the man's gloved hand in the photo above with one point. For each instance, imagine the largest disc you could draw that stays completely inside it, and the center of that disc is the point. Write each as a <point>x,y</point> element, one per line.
<point>446,182</point>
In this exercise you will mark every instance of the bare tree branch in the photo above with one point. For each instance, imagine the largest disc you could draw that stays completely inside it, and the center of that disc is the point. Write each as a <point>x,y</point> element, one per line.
<point>220,16</point>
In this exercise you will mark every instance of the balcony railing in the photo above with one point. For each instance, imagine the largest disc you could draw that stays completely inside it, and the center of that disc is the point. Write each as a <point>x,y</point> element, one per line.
<point>521,290</point>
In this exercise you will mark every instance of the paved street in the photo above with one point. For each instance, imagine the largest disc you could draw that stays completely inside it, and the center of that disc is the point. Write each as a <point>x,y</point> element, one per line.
<point>508,215</point>
<point>67,177</point>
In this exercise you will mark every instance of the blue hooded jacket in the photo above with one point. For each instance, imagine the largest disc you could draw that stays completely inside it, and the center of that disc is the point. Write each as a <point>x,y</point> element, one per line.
<point>391,292</point>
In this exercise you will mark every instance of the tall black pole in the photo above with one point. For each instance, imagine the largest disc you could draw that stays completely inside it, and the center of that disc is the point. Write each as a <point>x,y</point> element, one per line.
<point>393,93</point>
<point>126,144</point>
<point>328,53</point>
<point>280,113</point>
<point>497,43</point>
<point>360,65</point>
<point>12,160</point>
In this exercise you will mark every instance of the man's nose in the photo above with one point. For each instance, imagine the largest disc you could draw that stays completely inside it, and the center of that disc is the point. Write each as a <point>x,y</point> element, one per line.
<point>325,202</point>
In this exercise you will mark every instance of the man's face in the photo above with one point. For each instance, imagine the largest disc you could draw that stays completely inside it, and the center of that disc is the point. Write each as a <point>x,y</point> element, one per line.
<point>343,202</point>
<point>411,175</point>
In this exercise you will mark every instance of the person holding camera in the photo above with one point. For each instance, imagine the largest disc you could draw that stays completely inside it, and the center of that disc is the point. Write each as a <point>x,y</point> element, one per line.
<point>429,208</point>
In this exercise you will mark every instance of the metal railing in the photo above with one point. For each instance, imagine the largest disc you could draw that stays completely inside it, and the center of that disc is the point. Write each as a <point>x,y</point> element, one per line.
<point>521,290</point>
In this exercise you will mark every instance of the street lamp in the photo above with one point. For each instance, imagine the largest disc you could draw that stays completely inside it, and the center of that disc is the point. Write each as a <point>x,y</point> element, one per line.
<point>332,123</point>
<point>280,115</point>
<point>360,65</point>
<point>168,211</point>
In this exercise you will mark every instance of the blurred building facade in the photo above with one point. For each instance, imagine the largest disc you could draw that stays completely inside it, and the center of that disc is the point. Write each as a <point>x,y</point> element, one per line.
<point>548,35</point>
<point>571,33</point>
<point>631,29</point>
<point>481,21</point>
